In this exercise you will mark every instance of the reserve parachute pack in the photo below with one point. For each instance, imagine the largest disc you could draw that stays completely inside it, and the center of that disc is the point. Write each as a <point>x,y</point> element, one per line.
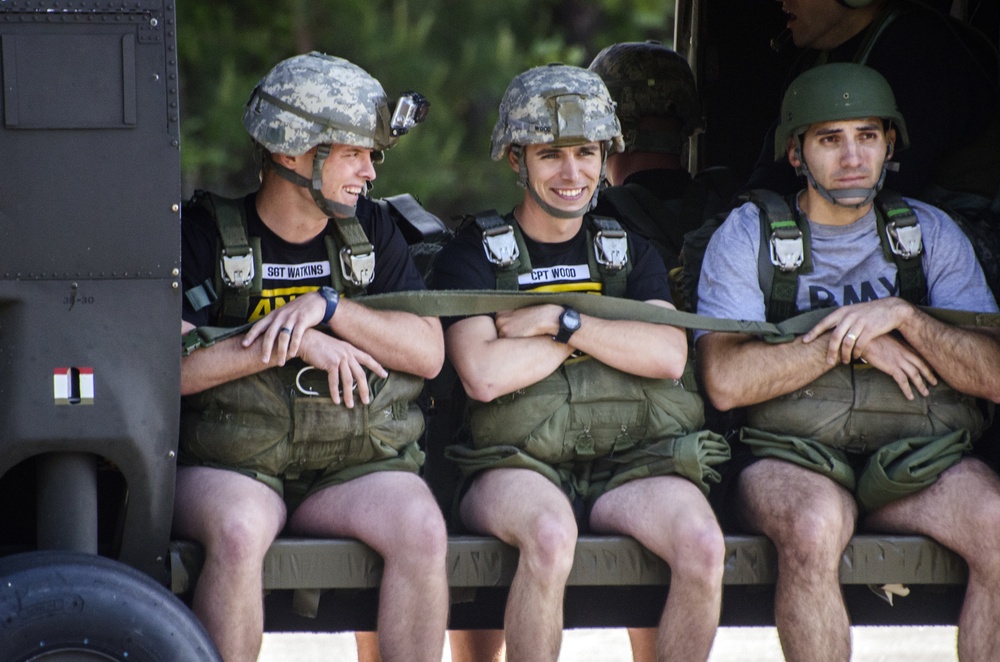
<point>287,422</point>
<point>586,410</point>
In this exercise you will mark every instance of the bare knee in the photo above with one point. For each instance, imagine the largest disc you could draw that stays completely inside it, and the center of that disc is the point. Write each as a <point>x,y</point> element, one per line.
<point>700,553</point>
<point>240,539</point>
<point>422,536</point>
<point>813,537</point>
<point>548,546</point>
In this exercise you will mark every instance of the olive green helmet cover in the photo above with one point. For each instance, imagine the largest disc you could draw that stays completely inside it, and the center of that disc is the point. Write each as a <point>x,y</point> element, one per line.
<point>839,91</point>
<point>318,99</point>
<point>645,78</point>
<point>556,104</point>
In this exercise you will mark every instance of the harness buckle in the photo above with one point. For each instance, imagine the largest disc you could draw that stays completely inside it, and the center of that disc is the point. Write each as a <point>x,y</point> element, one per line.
<point>298,382</point>
<point>359,269</point>
<point>905,241</point>
<point>501,247</point>
<point>611,249</point>
<point>787,253</point>
<point>237,270</point>
<point>306,390</point>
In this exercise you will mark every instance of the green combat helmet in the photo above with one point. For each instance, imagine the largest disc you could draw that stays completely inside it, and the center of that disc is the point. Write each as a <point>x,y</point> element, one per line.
<point>319,100</point>
<point>647,79</point>
<point>831,92</point>
<point>558,105</point>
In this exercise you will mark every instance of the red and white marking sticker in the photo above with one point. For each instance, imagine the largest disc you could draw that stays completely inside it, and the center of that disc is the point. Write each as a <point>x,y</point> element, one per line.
<point>73,386</point>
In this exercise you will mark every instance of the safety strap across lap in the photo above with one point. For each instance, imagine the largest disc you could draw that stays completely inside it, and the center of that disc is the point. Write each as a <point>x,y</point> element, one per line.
<point>461,303</point>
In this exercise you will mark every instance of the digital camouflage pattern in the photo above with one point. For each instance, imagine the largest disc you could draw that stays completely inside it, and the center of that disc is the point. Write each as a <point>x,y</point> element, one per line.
<point>839,91</point>
<point>647,78</point>
<point>318,99</point>
<point>556,104</point>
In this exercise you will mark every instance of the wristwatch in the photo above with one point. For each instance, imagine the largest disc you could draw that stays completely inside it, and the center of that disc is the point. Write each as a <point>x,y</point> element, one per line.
<point>332,299</point>
<point>569,323</point>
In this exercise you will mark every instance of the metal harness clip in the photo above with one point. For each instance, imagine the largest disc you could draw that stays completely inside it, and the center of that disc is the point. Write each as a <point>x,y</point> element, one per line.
<point>905,241</point>
<point>298,382</point>
<point>237,270</point>
<point>501,247</point>
<point>787,253</point>
<point>611,249</point>
<point>359,269</point>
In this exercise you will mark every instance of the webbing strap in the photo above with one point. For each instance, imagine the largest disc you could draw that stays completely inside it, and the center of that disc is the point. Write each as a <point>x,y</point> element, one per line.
<point>460,303</point>
<point>895,219</point>
<point>608,254</point>
<point>785,242</point>
<point>239,272</point>
<point>357,255</point>
<point>504,248</point>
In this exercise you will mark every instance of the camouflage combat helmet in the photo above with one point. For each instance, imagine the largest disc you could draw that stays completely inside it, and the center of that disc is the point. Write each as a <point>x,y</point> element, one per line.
<point>646,78</point>
<point>558,105</point>
<point>317,100</point>
<point>831,92</point>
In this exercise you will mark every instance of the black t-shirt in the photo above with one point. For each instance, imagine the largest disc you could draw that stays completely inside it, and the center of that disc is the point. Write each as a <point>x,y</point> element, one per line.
<point>555,267</point>
<point>687,207</point>
<point>946,87</point>
<point>289,270</point>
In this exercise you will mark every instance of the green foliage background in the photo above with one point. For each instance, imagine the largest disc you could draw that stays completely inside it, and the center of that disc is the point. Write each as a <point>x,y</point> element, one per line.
<point>460,54</point>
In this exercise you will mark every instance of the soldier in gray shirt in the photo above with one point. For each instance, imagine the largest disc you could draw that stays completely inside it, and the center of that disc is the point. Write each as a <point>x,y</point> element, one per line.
<point>870,416</point>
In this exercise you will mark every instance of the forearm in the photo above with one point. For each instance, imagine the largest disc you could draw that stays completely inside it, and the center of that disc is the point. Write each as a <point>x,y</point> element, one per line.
<point>399,341</point>
<point>957,354</point>
<point>638,348</point>
<point>739,370</point>
<point>222,362</point>
<point>490,366</point>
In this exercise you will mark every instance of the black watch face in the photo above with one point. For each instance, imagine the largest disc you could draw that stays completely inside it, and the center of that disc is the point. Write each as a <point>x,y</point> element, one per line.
<point>571,319</point>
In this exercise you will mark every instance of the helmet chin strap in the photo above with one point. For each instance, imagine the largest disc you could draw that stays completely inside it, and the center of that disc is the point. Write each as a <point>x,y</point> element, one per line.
<point>315,185</point>
<point>837,196</point>
<point>522,181</point>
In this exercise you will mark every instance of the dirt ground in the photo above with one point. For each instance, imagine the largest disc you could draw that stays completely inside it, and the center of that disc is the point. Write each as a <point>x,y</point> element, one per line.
<point>871,644</point>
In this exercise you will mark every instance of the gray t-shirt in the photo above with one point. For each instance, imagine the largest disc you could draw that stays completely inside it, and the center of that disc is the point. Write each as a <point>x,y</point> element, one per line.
<point>848,267</point>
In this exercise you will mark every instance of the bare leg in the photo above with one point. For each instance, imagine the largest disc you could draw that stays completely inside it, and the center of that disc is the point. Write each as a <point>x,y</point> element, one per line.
<point>236,518</point>
<point>643,643</point>
<point>672,519</point>
<point>810,519</point>
<point>395,514</point>
<point>962,512</point>
<point>476,645</point>
<point>543,528</point>
<point>367,643</point>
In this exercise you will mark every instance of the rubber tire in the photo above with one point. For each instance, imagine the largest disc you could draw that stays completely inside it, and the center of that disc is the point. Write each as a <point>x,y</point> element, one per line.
<point>71,606</point>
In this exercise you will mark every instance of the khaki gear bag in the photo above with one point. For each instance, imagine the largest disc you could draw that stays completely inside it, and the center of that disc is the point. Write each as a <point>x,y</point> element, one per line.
<point>586,410</point>
<point>266,424</point>
<point>858,408</point>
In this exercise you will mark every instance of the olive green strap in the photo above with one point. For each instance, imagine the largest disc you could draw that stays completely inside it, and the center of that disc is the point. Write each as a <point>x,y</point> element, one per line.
<point>462,303</point>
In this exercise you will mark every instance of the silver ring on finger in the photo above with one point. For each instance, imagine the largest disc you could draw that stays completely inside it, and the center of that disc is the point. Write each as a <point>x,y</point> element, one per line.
<point>285,329</point>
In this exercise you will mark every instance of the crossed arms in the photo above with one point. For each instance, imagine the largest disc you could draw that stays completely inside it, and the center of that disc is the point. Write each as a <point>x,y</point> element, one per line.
<point>890,334</point>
